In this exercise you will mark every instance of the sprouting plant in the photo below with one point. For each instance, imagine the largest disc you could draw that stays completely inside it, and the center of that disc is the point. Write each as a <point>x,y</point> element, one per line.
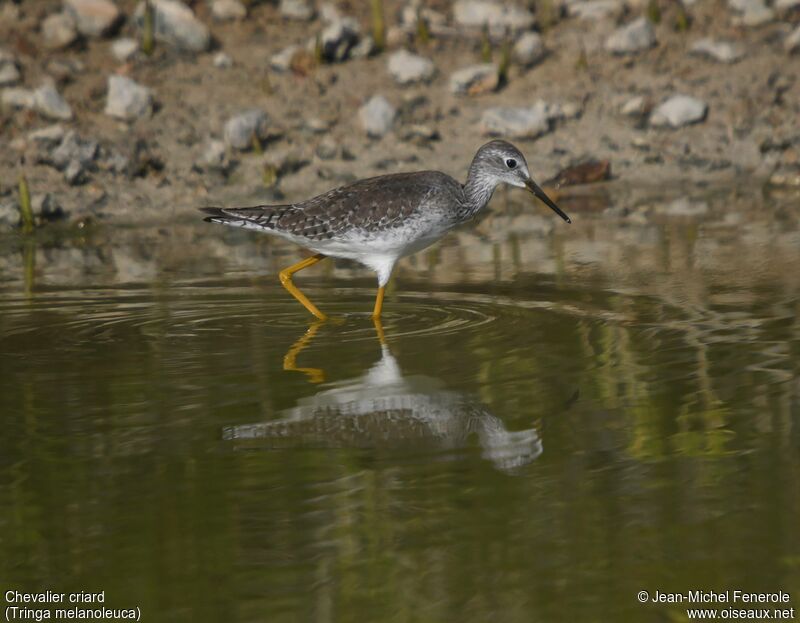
<point>486,45</point>
<point>148,29</point>
<point>378,25</point>
<point>25,210</point>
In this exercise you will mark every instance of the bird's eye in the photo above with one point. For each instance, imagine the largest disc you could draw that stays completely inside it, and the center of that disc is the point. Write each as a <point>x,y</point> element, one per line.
<point>511,163</point>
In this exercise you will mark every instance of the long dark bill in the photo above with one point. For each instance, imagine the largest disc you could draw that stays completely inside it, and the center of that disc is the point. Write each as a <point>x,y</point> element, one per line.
<point>536,190</point>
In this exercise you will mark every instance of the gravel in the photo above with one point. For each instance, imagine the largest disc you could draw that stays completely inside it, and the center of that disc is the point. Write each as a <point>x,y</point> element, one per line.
<point>124,49</point>
<point>176,25</point>
<point>721,51</point>
<point>475,79</point>
<point>377,116</point>
<point>529,49</point>
<point>128,100</point>
<point>93,18</point>
<point>632,38</point>
<point>48,102</point>
<point>516,122</point>
<point>679,110</point>
<point>228,10</point>
<point>500,18</point>
<point>240,129</point>
<point>59,31</point>
<point>407,68</point>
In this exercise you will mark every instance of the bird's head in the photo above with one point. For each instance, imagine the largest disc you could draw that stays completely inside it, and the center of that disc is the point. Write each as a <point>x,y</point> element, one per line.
<point>504,163</point>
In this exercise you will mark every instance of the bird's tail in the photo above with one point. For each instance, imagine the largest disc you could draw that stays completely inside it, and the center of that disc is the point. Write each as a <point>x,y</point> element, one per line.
<point>264,217</point>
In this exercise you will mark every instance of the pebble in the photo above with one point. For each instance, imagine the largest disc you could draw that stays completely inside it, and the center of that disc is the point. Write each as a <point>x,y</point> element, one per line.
<point>679,110</point>
<point>215,157</point>
<point>592,10</point>
<point>9,214</point>
<point>752,12</point>
<point>327,149</point>
<point>127,99</point>
<point>282,61</point>
<point>377,116</point>
<point>516,122</point>
<point>635,107</point>
<point>407,68</point>
<point>46,208</point>
<point>93,18</point>
<point>364,48</point>
<point>222,60</point>
<point>228,10</point>
<point>59,31</point>
<point>721,51</point>
<point>634,37</point>
<point>501,18</point>
<point>529,49</point>
<point>50,103</point>
<point>73,156</point>
<point>435,21</point>
<point>792,42</point>
<point>475,79</point>
<point>123,49</point>
<point>338,38</point>
<point>240,129</point>
<point>18,98</point>
<point>297,9</point>
<point>9,72</point>
<point>50,135</point>
<point>176,24</point>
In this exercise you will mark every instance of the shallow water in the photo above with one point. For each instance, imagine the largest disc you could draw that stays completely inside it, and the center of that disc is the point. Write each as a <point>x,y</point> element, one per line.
<point>558,418</point>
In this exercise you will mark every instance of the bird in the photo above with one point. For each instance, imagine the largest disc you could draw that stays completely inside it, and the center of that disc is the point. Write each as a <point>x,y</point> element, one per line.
<point>378,220</point>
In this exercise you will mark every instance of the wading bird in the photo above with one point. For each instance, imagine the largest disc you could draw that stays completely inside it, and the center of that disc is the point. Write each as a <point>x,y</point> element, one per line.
<point>377,221</point>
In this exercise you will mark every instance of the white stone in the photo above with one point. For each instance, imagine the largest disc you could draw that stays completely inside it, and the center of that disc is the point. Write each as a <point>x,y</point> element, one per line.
<point>475,79</point>
<point>679,110</point>
<point>18,98</point>
<point>407,68</point>
<point>721,51</point>
<point>58,31</point>
<point>500,17</point>
<point>634,107</point>
<point>51,134</point>
<point>282,61</point>
<point>176,24</point>
<point>93,18</point>
<point>240,129</point>
<point>297,9</point>
<point>123,49</point>
<point>9,72</point>
<point>634,37</point>
<point>50,103</point>
<point>592,10</point>
<point>228,10</point>
<point>338,38</point>
<point>529,49</point>
<point>516,122</point>
<point>222,60</point>
<point>377,116</point>
<point>127,100</point>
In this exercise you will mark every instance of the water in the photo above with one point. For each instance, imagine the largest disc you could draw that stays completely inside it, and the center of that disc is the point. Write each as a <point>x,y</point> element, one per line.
<point>558,418</point>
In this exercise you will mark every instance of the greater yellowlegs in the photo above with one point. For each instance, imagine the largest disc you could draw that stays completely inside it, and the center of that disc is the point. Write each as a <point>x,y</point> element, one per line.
<point>377,221</point>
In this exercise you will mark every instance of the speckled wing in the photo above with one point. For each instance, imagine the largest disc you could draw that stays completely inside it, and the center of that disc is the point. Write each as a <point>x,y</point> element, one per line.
<point>375,204</point>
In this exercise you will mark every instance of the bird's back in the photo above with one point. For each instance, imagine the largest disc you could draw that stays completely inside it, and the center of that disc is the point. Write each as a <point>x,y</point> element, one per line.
<point>370,205</point>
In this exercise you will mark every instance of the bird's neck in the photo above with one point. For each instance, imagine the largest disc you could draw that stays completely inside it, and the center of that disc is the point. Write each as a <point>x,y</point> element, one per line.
<point>478,190</point>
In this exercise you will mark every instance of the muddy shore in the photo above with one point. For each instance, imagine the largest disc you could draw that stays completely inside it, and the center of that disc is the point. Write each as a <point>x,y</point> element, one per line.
<point>159,165</point>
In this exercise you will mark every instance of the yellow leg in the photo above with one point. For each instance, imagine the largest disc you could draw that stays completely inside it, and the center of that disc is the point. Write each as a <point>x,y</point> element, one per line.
<point>379,330</point>
<point>315,375</point>
<point>286,280</point>
<point>376,312</point>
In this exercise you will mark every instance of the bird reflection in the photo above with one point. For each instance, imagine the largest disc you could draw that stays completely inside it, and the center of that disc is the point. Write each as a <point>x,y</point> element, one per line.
<point>385,409</point>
